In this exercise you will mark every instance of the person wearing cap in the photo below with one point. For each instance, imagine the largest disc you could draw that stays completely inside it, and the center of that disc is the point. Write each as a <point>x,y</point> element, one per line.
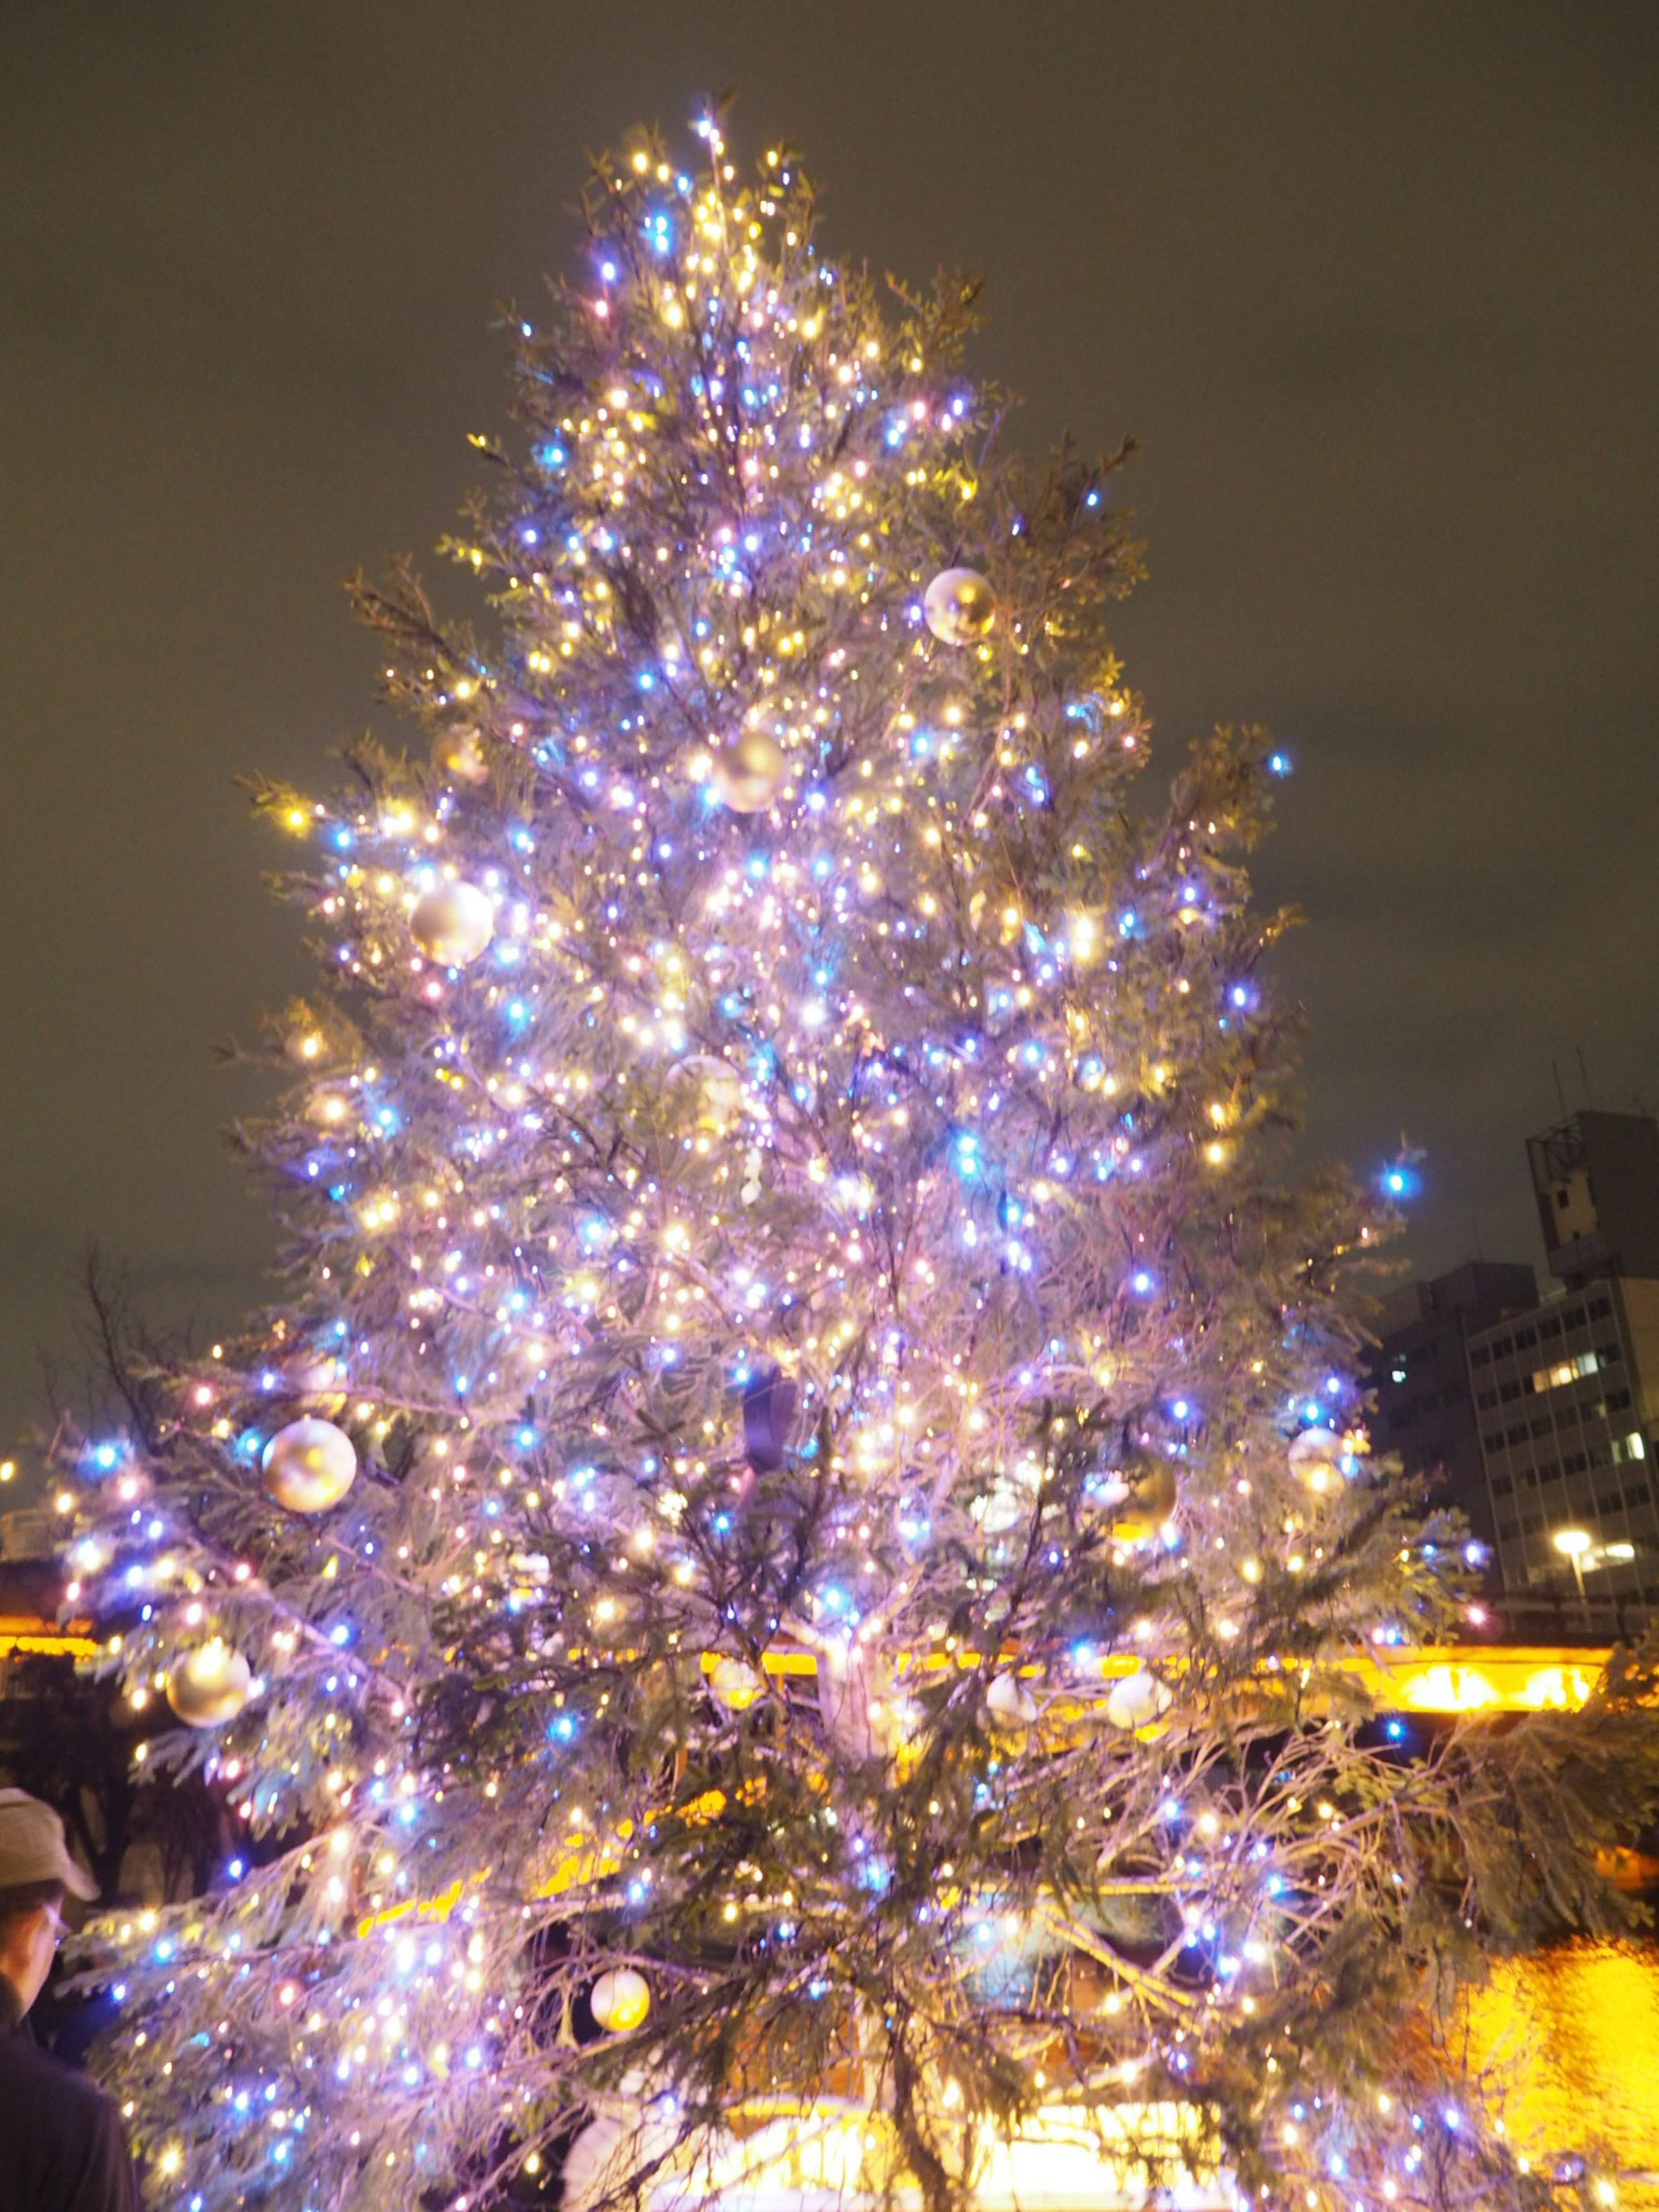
<point>60,2136</point>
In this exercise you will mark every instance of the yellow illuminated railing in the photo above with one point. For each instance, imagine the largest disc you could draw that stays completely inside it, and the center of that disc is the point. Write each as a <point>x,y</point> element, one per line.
<point>25,1632</point>
<point>1444,1678</point>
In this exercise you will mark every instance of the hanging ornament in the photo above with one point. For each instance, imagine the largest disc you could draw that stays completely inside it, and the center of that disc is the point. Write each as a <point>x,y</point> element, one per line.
<point>311,1374</point>
<point>1138,1699</point>
<point>748,774</point>
<point>1142,1492</point>
<point>959,607</point>
<point>719,1091</point>
<point>734,1685</point>
<point>458,754</point>
<point>619,2000</point>
<point>210,1685</point>
<point>309,1466</point>
<point>453,924</point>
<point>769,1410</point>
<point>1316,1457</point>
<point>1010,1704</point>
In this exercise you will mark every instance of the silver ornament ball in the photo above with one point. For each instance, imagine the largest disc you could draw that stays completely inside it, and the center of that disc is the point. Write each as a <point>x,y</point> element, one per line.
<point>734,1685</point>
<point>1010,1704</point>
<point>1316,1458</point>
<point>453,923</point>
<point>309,1464</point>
<point>1137,1701</point>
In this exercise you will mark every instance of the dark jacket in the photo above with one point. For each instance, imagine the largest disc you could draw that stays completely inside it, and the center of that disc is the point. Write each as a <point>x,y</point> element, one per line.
<point>60,2136</point>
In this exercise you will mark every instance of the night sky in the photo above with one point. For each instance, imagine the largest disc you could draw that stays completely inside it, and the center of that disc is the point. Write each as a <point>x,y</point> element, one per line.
<point>1377,288</point>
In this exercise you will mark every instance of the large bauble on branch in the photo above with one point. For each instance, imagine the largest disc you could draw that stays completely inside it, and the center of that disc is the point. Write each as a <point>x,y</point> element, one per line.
<point>959,607</point>
<point>1009,1705</point>
<point>211,1685</point>
<point>1144,1496</point>
<point>748,774</point>
<point>1316,1458</point>
<point>1137,1701</point>
<point>620,2000</point>
<point>719,1090</point>
<point>734,1685</point>
<point>453,923</point>
<point>309,1466</point>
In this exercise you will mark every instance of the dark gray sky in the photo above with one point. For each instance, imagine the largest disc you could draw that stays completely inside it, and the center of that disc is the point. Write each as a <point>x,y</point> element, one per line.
<point>1376,287</point>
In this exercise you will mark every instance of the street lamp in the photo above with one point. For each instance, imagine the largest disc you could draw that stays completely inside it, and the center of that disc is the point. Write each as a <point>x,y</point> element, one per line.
<point>1575,1542</point>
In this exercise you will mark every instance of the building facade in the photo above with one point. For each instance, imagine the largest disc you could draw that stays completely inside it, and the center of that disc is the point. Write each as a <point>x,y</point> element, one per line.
<point>1539,1417</point>
<point>1425,1410</point>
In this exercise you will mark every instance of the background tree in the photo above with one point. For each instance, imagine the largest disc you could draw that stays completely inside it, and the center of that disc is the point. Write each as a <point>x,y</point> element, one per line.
<point>800,1536</point>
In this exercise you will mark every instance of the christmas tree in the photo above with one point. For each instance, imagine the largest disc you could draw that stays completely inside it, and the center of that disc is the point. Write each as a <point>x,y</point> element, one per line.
<point>787,1588</point>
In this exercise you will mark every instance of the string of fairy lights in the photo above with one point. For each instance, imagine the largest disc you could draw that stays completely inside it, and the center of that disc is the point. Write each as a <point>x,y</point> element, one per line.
<point>772,1167</point>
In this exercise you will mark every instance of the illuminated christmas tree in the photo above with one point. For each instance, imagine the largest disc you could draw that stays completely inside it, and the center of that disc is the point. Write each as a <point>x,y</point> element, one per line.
<point>795,1582</point>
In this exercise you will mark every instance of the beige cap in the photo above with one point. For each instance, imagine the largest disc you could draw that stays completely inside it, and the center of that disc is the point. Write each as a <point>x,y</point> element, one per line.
<point>32,1846</point>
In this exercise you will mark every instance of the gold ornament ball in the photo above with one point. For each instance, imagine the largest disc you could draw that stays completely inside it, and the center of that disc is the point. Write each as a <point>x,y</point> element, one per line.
<point>1138,1699</point>
<point>719,1089</point>
<point>211,1685</point>
<point>1010,1704</point>
<point>959,607</point>
<point>620,2000</point>
<point>748,775</point>
<point>1148,1501</point>
<point>309,1466</point>
<point>734,1685</point>
<point>1316,1457</point>
<point>454,923</point>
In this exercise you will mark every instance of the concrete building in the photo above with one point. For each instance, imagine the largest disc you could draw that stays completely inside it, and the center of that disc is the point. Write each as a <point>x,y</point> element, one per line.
<point>1425,1407</point>
<point>1539,1418</point>
<point>1567,1398</point>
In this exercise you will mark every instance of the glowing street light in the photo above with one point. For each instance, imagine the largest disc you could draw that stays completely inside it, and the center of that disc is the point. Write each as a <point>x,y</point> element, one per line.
<point>1575,1542</point>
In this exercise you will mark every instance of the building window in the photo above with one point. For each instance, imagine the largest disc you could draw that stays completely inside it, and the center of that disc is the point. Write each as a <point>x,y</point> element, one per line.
<point>1574,1463</point>
<point>1507,1390</point>
<point>1550,1327</point>
<point>1493,1440</point>
<point>1502,1485</point>
<point>1502,1345</point>
<point>1482,1356</point>
<point>1487,1401</point>
<point>1634,1446</point>
<point>1524,1340</point>
<point>1564,1372</point>
<point>1611,1355</point>
<point>1531,1523</point>
<point>1599,1309</point>
<point>1617,1401</point>
<point>1541,1425</point>
<point>1574,1316</point>
<point>1638,1494</point>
